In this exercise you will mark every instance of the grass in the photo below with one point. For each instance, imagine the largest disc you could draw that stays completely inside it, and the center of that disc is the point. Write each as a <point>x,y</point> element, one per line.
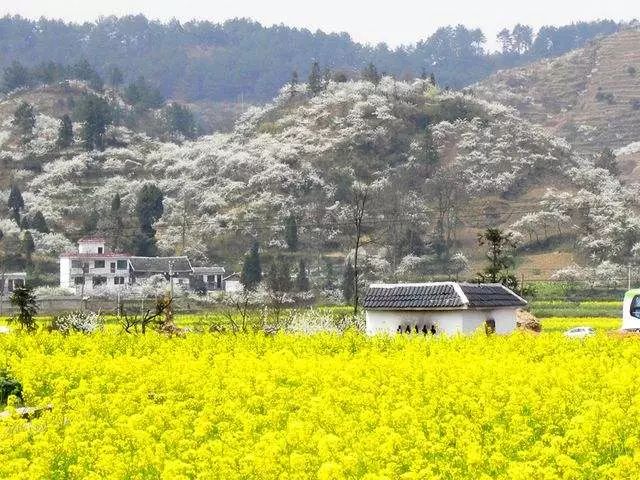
<point>563,308</point>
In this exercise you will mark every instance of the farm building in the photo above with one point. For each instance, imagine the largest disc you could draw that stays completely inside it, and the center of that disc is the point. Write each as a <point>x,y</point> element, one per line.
<point>448,307</point>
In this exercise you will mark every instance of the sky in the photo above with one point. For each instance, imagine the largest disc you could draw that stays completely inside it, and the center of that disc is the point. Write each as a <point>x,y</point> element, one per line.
<point>395,22</point>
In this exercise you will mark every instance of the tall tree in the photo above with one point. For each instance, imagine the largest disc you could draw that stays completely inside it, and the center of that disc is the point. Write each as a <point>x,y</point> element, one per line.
<point>38,223</point>
<point>180,121</point>
<point>293,84</point>
<point>370,73</point>
<point>251,275</point>
<point>291,233</point>
<point>279,275</point>
<point>315,79</point>
<point>302,279</point>
<point>16,76</point>
<point>115,77</point>
<point>500,249</point>
<point>95,114</point>
<point>149,209</point>
<point>28,246</point>
<point>15,203</point>
<point>348,282</point>
<point>65,132</point>
<point>24,120</point>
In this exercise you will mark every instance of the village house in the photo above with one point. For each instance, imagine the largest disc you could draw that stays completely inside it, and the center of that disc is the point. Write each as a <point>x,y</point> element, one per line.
<point>93,266</point>
<point>212,277</point>
<point>9,281</point>
<point>443,307</point>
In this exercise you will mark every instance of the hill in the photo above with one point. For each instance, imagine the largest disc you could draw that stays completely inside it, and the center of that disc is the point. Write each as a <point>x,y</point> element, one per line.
<point>590,96</point>
<point>434,167</point>
<point>240,60</point>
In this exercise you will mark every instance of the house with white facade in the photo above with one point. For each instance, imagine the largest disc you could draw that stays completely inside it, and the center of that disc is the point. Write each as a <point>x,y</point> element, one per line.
<point>93,266</point>
<point>212,277</point>
<point>9,281</point>
<point>442,307</point>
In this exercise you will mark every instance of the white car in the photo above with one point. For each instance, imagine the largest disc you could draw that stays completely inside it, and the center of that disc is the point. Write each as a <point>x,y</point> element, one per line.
<point>580,332</point>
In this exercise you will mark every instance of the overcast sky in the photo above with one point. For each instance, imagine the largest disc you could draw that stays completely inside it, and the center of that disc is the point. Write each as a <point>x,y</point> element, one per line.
<point>394,21</point>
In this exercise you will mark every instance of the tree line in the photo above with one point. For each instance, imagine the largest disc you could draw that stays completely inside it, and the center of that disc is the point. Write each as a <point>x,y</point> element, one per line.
<point>200,60</point>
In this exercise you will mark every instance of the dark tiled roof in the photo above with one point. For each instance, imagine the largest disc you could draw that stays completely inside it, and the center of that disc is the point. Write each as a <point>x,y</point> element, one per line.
<point>160,264</point>
<point>208,270</point>
<point>488,295</point>
<point>413,297</point>
<point>440,296</point>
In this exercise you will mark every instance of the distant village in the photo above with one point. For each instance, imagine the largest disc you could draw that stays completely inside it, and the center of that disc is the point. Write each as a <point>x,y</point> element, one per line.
<point>94,266</point>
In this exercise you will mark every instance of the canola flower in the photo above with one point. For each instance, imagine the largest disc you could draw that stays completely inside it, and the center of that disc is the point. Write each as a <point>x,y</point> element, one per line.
<point>325,406</point>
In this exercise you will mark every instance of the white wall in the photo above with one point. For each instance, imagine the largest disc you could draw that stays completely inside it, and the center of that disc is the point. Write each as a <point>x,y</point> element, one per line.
<point>448,322</point>
<point>65,272</point>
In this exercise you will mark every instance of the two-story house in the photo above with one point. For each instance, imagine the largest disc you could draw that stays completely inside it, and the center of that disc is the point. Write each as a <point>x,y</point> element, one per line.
<point>93,266</point>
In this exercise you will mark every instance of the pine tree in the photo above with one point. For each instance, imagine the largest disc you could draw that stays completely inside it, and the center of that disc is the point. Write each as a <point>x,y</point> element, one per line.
<point>24,119</point>
<point>24,300</point>
<point>294,83</point>
<point>348,282</point>
<point>291,233</point>
<point>65,132</point>
<point>315,79</point>
<point>432,79</point>
<point>15,203</point>
<point>302,280</point>
<point>16,76</point>
<point>251,275</point>
<point>149,209</point>
<point>95,114</point>
<point>116,78</point>
<point>38,223</point>
<point>279,275</point>
<point>370,73</point>
<point>28,246</point>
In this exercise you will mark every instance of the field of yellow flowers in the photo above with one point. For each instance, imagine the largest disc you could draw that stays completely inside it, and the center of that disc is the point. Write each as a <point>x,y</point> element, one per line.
<point>323,406</point>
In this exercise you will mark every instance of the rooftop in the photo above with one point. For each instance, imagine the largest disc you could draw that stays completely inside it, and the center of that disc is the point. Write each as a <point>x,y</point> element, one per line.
<point>92,240</point>
<point>215,269</point>
<point>161,264</point>
<point>440,296</point>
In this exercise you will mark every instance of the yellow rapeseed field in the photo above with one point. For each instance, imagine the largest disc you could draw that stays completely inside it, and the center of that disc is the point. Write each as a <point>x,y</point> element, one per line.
<point>324,406</point>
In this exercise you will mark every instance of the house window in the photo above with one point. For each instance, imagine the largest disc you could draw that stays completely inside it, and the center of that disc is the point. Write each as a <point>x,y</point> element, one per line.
<point>211,278</point>
<point>112,267</point>
<point>76,264</point>
<point>100,250</point>
<point>118,280</point>
<point>122,264</point>
<point>219,281</point>
<point>78,280</point>
<point>97,281</point>
<point>98,264</point>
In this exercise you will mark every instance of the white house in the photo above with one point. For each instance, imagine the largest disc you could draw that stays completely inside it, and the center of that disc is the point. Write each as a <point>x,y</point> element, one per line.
<point>92,266</point>
<point>10,281</point>
<point>449,307</point>
<point>213,277</point>
<point>232,283</point>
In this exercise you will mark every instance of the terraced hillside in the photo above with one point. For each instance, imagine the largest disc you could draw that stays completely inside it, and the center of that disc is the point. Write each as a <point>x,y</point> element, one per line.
<point>590,96</point>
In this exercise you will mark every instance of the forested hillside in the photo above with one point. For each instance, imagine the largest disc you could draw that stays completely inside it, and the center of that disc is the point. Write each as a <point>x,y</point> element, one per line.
<point>408,172</point>
<point>239,59</point>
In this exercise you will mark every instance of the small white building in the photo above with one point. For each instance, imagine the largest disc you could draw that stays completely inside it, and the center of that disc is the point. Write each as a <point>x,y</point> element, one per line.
<point>212,277</point>
<point>448,307</point>
<point>10,281</point>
